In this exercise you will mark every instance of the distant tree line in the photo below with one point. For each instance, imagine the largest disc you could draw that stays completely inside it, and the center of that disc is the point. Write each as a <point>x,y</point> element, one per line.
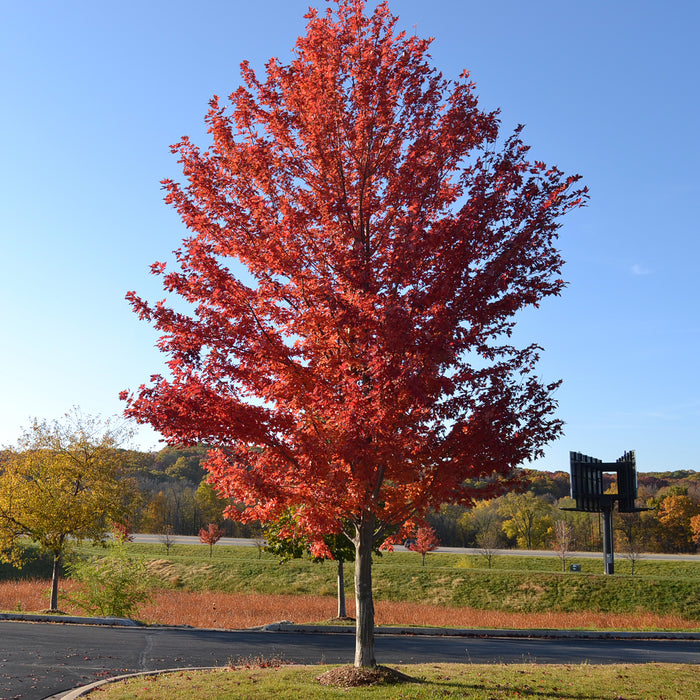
<point>174,492</point>
<point>528,520</point>
<point>174,496</point>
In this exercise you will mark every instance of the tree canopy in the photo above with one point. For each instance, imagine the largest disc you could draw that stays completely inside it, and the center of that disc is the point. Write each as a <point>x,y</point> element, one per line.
<point>64,482</point>
<point>361,370</point>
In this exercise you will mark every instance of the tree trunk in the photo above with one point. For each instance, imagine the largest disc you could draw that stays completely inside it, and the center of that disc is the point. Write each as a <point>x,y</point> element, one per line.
<point>364,605</point>
<point>341,590</point>
<point>54,580</point>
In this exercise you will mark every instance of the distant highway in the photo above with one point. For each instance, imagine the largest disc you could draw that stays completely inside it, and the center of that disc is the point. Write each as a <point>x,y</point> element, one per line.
<point>246,542</point>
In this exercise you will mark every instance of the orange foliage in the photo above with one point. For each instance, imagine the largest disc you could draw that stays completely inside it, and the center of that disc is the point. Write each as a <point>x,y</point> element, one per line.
<point>695,527</point>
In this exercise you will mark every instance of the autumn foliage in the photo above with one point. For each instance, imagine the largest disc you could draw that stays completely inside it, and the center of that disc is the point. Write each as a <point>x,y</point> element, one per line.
<point>426,541</point>
<point>359,242</point>
<point>210,535</point>
<point>64,483</point>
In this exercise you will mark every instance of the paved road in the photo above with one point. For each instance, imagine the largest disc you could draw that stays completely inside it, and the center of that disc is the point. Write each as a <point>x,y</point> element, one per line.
<point>40,659</point>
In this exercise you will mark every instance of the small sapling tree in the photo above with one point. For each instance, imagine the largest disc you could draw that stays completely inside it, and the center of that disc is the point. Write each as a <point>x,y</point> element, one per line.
<point>563,540</point>
<point>629,536</point>
<point>211,535</point>
<point>426,541</point>
<point>285,538</point>
<point>167,538</point>
<point>488,541</point>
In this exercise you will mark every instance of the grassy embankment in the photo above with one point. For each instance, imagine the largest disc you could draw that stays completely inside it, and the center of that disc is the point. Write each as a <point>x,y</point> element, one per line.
<point>451,590</point>
<point>513,584</point>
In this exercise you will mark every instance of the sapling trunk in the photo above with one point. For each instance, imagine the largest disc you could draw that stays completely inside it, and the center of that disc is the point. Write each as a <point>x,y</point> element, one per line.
<point>54,581</point>
<point>341,590</point>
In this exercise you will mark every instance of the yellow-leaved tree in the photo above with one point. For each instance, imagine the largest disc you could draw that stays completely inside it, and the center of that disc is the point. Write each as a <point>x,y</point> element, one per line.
<point>527,519</point>
<point>63,483</point>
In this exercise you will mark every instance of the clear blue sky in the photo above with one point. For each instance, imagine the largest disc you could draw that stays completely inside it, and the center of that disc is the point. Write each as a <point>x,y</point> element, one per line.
<point>93,94</point>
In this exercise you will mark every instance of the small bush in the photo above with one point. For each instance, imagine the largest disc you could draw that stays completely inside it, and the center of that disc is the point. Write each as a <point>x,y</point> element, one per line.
<point>114,585</point>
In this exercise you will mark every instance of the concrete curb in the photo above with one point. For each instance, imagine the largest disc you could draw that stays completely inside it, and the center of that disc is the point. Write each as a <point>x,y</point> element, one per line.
<point>72,619</point>
<point>84,689</point>
<point>286,626</point>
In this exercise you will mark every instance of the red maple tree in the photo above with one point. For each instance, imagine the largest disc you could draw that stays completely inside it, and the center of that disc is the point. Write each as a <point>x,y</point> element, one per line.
<point>360,371</point>
<point>210,535</point>
<point>426,541</point>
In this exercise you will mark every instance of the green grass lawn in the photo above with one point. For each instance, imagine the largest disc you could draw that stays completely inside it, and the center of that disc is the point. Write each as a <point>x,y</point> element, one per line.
<point>487,682</point>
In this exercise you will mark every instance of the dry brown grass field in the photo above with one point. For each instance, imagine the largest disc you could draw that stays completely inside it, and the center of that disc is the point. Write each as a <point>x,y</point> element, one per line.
<point>237,611</point>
